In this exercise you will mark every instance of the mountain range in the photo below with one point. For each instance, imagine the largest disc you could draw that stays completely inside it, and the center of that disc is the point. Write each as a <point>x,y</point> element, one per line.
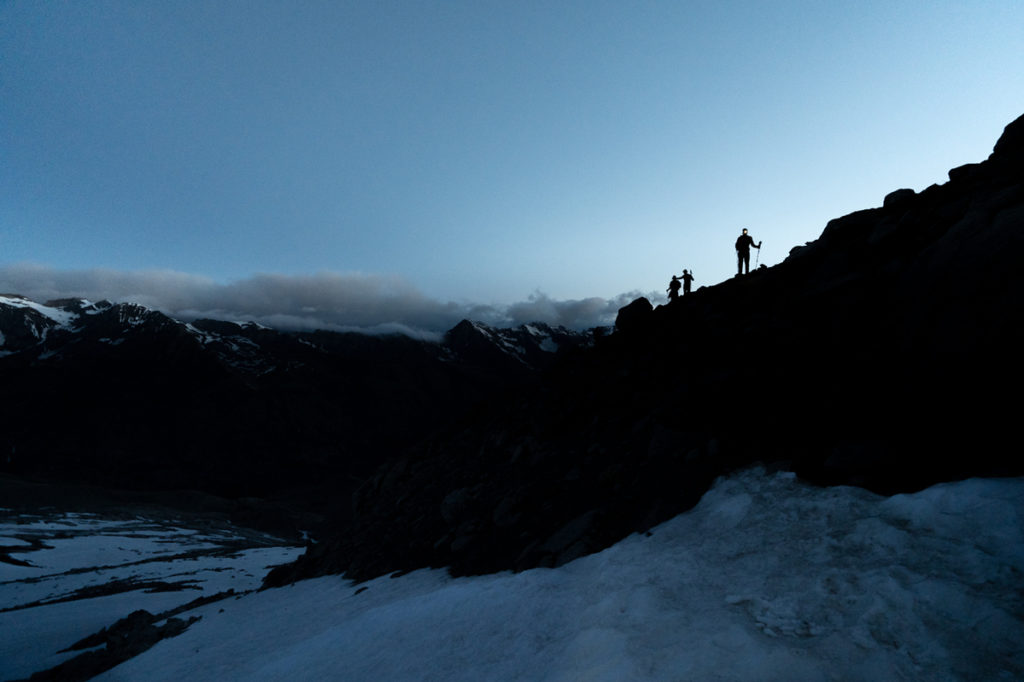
<point>122,397</point>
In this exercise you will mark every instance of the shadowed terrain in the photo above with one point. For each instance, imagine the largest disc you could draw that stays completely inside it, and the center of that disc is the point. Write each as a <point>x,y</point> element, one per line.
<point>874,356</point>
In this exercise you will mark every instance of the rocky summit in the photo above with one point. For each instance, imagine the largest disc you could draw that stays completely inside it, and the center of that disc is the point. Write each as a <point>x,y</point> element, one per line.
<point>884,354</point>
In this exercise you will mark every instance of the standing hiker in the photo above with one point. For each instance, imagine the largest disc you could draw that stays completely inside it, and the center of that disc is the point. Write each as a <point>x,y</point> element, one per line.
<point>673,288</point>
<point>743,244</point>
<point>687,280</point>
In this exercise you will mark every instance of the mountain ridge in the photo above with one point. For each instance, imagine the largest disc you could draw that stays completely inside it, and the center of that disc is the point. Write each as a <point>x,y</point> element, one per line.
<point>870,357</point>
<point>149,403</point>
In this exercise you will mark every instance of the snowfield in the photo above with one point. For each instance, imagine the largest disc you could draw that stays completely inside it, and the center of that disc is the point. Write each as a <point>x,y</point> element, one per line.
<point>766,579</point>
<point>67,576</point>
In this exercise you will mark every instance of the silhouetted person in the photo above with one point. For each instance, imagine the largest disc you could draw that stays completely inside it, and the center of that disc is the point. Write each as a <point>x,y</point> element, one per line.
<point>743,245</point>
<point>673,288</point>
<point>687,281</point>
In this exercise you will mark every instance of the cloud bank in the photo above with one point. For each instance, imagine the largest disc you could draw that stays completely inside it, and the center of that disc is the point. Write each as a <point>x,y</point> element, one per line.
<point>340,302</point>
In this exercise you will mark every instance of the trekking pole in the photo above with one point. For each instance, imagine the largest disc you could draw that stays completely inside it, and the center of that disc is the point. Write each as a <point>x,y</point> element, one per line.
<point>758,256</point>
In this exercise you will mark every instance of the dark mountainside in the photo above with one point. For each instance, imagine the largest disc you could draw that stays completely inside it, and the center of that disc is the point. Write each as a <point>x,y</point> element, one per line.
<point>101,400</point>
<point>885,354</point>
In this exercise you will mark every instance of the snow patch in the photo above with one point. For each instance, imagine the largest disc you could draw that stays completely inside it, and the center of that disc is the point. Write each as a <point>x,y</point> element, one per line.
<point>58,598</point>
<point>62,318</point>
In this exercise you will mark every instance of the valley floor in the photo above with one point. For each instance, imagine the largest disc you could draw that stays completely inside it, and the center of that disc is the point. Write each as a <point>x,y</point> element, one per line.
<point>767,578</point>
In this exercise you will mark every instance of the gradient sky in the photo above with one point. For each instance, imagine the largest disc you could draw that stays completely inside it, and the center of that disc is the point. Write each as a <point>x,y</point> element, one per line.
<point>477,151</point>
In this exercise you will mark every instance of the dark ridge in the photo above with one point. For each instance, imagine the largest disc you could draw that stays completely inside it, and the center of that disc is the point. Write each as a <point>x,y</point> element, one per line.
<point>879,355</point>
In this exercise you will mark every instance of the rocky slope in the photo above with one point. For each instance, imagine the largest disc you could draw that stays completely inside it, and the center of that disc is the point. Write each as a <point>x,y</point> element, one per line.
<point>884,354</point>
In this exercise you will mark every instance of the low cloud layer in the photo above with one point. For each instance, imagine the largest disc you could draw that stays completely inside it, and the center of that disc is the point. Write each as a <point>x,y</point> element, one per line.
<point>341,302</point>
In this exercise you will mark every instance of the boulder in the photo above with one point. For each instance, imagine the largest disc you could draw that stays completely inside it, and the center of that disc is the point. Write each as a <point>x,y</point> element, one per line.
<point>897,197</point>
<point>634,316</point>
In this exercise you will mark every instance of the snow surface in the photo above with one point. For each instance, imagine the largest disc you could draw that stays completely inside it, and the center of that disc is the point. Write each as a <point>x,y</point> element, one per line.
<point>766,579</point>
<point>42,609</point>
<point>63,318</point>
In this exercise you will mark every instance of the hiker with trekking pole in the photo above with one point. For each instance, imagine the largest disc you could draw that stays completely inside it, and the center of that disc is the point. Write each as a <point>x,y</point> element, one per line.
<point>687,281</point>
<point>743,244</point>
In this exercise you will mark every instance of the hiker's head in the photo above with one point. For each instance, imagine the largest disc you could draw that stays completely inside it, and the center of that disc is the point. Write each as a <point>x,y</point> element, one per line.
<point>744,230</point>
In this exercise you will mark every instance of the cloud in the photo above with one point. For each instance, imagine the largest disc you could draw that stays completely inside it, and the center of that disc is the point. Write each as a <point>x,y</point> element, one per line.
<point>341,302</point>
<point>575,314</point>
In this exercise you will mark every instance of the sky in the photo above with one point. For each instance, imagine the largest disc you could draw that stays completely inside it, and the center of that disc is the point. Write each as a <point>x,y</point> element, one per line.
<point>471,153</point>
<point>767,578</point>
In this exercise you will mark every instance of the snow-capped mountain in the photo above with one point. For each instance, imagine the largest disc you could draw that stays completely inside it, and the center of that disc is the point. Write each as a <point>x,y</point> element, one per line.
<point>26,324</point>
<point>531,345</point>
<point>75,327</point>
<point>41,331</point>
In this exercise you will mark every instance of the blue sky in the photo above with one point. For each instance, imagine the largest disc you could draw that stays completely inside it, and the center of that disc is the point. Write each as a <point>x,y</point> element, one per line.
<point>473,152</point>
